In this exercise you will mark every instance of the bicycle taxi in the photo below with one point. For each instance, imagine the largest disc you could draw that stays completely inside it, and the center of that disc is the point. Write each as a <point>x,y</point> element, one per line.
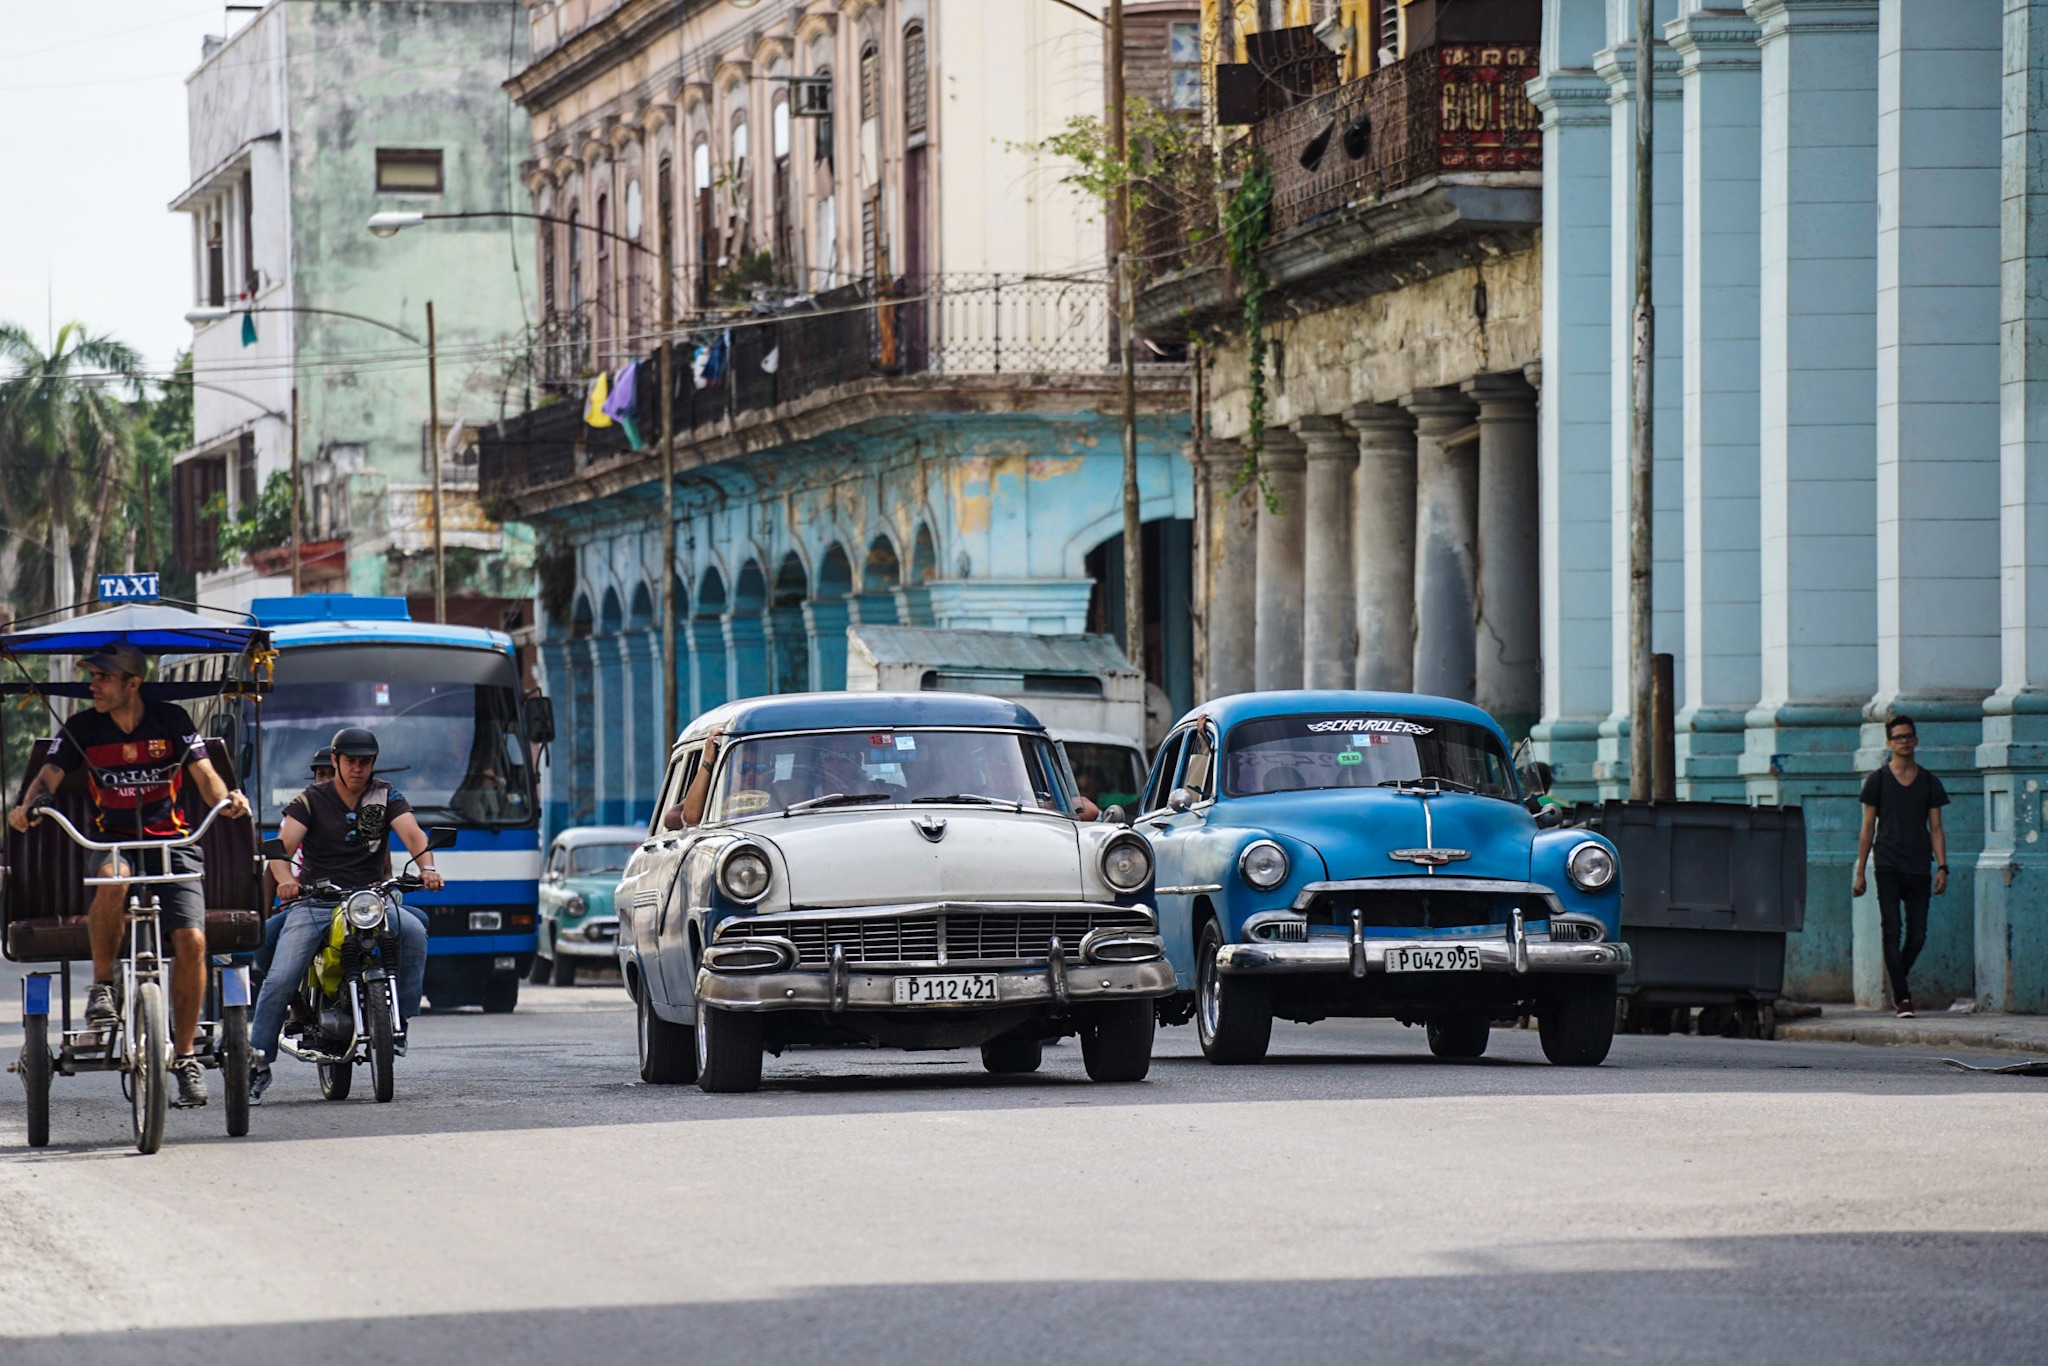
<point>44,892</point>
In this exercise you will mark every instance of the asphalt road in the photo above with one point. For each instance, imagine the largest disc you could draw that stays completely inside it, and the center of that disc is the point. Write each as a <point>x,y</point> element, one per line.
<point>525,1199</point>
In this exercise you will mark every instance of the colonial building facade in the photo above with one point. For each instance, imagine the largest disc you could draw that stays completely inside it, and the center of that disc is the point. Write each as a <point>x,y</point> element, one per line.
<point>894,395</point>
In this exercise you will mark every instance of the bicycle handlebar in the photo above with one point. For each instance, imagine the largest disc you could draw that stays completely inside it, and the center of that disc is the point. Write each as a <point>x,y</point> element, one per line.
<point>121,846</point>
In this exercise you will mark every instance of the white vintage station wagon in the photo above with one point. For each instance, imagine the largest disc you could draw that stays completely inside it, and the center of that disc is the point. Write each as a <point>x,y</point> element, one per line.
<point>900,869</point>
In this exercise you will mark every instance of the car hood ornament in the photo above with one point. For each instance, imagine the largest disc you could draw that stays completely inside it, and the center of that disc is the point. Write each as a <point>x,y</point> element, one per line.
<point>932,828</point>
<point>1430,858</point>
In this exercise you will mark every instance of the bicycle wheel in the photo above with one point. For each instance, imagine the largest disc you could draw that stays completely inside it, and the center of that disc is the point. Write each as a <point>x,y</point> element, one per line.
<point>234,1067</point>
<point>150,1096</point>
<point>35,1076</point>
<point>382,1055</point>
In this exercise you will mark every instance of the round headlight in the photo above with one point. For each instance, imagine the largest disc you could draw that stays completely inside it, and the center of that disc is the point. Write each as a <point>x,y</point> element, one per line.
<point>574,905</point>
<point>1263,864</point>
<point>365,910</point>
<point>1591,866</point>
<point>744,874</point>
<point>1127,863</point>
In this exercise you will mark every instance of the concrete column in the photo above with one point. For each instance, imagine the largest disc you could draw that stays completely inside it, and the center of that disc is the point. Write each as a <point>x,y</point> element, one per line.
<point>1508,682</point>
<point>612,774</point>
<point>1573,473</point>
<point>2012,876</point>
<point>1330,627</point>
<point>708,656</point>
<point>825,621</point>
<point>1667,585</point>
<point>642,755</point>
<point>1937,442</point>
<point>1818,489</point>
<point>1383,547</point>
<point>1277,632</point>
<point>1230,554</point>
<point>1720,78</point>
<point>1446,543</point>
<point>747,666</point>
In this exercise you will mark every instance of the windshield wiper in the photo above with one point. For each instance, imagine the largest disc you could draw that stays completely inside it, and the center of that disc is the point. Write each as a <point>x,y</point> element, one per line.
<point>835,799</point>
<point>974,797</point>
<point>1428,785</point>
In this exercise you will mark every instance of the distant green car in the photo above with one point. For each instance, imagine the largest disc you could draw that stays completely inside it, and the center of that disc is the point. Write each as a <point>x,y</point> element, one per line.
<point>578,923</point>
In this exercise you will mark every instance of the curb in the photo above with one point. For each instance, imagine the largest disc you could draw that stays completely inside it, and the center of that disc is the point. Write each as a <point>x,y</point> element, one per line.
<point>1805,1031</point>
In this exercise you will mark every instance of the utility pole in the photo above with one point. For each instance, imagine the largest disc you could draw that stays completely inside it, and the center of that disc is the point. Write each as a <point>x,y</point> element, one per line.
<point>1641,467</point>
<point>668,483</point>
<point>434,440</point>
<point>297,588</point>
<point>1126,316</point>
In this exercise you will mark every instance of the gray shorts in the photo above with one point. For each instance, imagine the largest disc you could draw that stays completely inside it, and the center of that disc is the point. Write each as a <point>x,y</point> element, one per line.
<point>184,903</point>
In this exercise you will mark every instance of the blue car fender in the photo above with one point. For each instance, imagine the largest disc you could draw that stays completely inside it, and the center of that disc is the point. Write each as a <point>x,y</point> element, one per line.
<point>1209,858</point>
<point>1549,856</point>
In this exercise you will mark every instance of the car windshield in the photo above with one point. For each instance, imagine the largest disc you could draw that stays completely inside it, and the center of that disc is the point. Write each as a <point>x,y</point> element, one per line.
<point>599,858</point>
<point>1108,775</point>
<point>823,771</point>
<point>1304,753</point>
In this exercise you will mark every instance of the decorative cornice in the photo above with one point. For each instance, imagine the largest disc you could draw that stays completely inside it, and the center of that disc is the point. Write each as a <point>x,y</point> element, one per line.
<point>1575,98</point>
<point>1779,17</point>
<point>1714,39</point>
<point>595,48</point>
<point>1617,66</point>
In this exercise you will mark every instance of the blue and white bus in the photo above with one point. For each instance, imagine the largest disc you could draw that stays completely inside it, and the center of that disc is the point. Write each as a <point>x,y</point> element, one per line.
<point>452,730</point>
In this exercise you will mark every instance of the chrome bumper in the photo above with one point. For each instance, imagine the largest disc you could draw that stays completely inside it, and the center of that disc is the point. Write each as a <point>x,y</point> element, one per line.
<point>574,945</point>
<point>857,988</point>
<point>1359,956</point>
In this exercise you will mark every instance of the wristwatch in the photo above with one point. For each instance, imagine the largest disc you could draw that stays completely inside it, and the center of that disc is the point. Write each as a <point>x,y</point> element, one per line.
<point>1941,867</point>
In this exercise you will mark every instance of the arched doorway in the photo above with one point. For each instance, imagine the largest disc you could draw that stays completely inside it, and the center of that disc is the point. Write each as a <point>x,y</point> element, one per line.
<point>1167,548</point>
<point>746,639</point>
<point>582,727</point>
<point>880,577</point>
<point>791,646</point>
<point>826,616</point>
<point>707,632</point>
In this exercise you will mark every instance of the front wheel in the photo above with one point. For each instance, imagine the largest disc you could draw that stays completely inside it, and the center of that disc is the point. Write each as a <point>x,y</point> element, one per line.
<point>501,993</point>
<point>668,1052</point>
<point>565,970</point>
<point>1116,1041</point>
<point>1576,1021</point>
<point>383,1042</point>
<point>728,1050</point>
<point>1233,1016</point>
<point>542,966</point>
<point>35,1076</point>
<point>234,1067</point>
<point>149,1096</point>
<point>1459,1036</point>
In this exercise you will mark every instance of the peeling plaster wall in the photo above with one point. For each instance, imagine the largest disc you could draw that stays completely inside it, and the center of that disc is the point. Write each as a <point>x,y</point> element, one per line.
<point>1392,343</point>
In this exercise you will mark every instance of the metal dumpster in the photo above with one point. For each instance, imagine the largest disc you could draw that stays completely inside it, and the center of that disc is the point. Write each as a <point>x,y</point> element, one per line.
<point>1709,890</point>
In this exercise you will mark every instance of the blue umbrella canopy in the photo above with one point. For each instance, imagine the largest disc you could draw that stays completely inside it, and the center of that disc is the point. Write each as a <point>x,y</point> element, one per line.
<point>150,627</point>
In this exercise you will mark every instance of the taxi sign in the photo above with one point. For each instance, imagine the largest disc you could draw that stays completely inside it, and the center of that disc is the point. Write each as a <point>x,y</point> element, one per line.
<point>128,587</point>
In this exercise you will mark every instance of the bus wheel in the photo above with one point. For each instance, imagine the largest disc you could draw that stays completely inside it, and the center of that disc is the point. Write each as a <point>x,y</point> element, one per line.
<point>501,993</point>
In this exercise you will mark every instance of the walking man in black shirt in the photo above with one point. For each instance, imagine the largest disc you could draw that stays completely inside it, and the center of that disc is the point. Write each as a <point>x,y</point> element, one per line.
<point>1902,821</point>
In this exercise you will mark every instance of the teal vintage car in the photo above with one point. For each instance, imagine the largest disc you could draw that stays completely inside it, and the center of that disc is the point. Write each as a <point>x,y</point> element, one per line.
<point>578,923</point>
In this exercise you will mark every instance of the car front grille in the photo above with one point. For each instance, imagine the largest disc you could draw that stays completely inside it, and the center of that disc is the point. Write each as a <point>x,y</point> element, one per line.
<point>968,937</point>
<point>1410,909</point>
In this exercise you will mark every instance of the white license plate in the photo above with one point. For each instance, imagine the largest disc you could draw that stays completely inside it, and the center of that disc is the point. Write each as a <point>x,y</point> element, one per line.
<point>1445,958</point>
<point>924,991</point>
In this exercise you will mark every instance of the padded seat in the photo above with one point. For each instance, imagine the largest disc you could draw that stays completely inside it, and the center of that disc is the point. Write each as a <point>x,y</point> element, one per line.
<point>51,939</point>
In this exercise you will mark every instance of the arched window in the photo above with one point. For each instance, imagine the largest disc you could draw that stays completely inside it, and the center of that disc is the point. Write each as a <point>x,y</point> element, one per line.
<point>604,280</point>
<point>664,213</point>
<point>635,289</point>
<point>547,269</point>
<point>707,241</point>
<point>576,260</point>
<point>913,79</point>
<point>784,225</point>
<point>870,83</point>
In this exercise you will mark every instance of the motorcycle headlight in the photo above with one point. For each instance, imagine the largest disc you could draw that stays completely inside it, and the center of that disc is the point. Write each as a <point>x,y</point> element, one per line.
<point>1127,863</point>
<point>1590,867</point>
<point>743,874</point>
<point>1263,864</point>
<point>365,910</point>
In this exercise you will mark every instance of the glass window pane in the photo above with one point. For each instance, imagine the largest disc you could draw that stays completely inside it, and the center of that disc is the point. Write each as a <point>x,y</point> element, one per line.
<point>1186,89</point>
<point>1184,43</point>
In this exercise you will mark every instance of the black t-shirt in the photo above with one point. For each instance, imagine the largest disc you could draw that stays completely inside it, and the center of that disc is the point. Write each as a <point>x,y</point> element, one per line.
<point>1902,843</point>
<point>349,848</point>
<point>133,773</point>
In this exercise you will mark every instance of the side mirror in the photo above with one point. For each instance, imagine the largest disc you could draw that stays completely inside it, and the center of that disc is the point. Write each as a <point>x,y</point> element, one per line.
<point>274,848</point>
<point>1548,817</point>
<point>1115,815</point>
<point>441,836</point>
<point>540,720</point>
<point>1181,798</point>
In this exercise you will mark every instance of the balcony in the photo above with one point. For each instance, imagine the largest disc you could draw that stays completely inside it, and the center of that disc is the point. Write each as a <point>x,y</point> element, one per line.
<point>1406,170</point>
<point>871,349</point>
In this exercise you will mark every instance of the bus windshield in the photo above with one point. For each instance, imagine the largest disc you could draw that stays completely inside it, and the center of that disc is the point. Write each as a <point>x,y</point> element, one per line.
<point>446,722</point>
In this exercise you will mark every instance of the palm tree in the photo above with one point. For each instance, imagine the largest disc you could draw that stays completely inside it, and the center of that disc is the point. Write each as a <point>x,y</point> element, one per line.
<point>65,445</point>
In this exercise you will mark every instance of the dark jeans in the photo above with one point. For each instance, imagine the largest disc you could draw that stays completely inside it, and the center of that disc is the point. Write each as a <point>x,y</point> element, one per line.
<point>1909,891</point>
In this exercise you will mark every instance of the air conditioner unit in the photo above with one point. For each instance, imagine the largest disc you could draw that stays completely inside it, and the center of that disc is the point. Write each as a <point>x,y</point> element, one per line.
<point>810,97</point>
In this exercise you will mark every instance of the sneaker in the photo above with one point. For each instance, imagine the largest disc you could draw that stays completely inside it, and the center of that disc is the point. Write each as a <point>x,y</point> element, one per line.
<point>398,1046</point>
<point>102,1006</point>
<point>191,1074</point>
<point>1905,1007</point>
<point>259,1082</point>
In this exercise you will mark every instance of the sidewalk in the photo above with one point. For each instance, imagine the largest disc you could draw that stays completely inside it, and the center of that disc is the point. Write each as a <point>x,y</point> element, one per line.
<point>1931,1029</point>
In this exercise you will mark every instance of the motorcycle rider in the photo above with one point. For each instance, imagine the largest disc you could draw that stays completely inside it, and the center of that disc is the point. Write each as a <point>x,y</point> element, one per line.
<point>340,825</point>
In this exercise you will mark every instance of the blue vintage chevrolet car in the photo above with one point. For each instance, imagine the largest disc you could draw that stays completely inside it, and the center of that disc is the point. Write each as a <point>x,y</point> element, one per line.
<point>1371,854</point>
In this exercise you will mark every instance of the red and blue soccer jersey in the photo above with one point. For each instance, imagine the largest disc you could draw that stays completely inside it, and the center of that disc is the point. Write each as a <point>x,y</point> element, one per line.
<point>134,775</point>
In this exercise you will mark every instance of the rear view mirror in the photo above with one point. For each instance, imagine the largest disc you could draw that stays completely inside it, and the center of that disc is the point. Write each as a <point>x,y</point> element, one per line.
<point>540,720</point>
<point>441,836</point>
<point>1115,815</point>
<point>1181,798</point>
<point>274,848</point>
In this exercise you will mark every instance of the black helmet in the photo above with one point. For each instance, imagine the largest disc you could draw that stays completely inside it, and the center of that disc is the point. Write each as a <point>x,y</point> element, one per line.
<point>354,742</point>
<point>324,757</point>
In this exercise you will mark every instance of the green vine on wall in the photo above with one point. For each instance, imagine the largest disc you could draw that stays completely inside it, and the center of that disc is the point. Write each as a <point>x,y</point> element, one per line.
<point>1247,221</point>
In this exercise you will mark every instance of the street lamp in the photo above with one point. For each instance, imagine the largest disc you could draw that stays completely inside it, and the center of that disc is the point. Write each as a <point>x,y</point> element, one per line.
<point>390,222</point>
<point>218,312</point>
